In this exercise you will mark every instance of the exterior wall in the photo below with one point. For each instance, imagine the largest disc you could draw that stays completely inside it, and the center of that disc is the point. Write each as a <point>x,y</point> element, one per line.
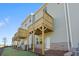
<point>30,41</point>
<point>59,46</point>
<point>25,42</point>
<point>37,41</point>
<point>23,26</point>
<point>14,42</point>
<point>47,43</point>
<point>20,43</point>
<point>60,32</point>
<point>28,22</point>
<point>74,23</point>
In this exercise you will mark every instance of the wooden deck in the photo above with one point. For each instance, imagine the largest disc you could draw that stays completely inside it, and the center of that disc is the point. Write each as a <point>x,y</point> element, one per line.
<point>42,25</point>
<point>46,20</point>
<point>15,38</point>
<point>22,33</point>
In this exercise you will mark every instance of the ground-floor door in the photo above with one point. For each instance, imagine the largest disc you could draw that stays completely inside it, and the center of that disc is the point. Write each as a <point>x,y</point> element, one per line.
<point>47,43</point>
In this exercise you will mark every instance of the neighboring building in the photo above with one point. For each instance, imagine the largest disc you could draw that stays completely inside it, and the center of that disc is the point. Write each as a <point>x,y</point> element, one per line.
<point>53,27</point>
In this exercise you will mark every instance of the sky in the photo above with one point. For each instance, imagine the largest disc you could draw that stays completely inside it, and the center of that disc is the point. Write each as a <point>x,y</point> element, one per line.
<point>12,16</point>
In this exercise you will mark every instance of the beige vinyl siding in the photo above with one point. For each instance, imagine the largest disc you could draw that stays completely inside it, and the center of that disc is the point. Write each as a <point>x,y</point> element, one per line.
<point>74,23</point>
<point>57,11</point>
<point>60,30</point>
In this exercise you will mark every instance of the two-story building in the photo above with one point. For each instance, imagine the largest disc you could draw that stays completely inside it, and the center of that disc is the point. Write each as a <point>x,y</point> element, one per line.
<point>54,27</point>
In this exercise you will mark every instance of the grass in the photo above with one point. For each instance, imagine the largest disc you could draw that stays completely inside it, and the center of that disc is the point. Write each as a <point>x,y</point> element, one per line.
<point>13,52</point>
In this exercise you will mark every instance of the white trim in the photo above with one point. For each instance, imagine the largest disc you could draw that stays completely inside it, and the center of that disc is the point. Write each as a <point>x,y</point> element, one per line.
<point>68,26</point>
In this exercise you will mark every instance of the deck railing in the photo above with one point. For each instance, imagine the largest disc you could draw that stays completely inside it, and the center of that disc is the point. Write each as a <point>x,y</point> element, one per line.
<point>45,20</point>
<point>22,33</point>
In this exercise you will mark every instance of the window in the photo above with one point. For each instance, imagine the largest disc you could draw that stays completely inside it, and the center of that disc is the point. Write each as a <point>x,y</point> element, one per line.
<point>37,41</point>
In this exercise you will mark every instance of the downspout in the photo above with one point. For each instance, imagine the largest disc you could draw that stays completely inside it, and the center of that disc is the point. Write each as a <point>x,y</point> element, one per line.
<point>68,26</point>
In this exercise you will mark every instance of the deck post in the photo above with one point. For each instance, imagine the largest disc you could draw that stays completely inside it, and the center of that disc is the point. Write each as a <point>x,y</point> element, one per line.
<point>33,42</point>
<point>27,41</point>
<point>43,43</point>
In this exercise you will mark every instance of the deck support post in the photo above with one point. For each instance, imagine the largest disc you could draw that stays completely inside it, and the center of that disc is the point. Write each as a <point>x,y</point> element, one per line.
<point>27,41</point>
<point>43,42</point>
<point>33,42</point>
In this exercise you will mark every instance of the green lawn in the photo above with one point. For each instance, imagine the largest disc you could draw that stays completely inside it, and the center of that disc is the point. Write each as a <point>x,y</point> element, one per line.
<point>13,52</point>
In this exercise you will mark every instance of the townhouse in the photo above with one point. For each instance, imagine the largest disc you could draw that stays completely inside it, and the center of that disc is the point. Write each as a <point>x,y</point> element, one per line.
<point>53,27</point>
